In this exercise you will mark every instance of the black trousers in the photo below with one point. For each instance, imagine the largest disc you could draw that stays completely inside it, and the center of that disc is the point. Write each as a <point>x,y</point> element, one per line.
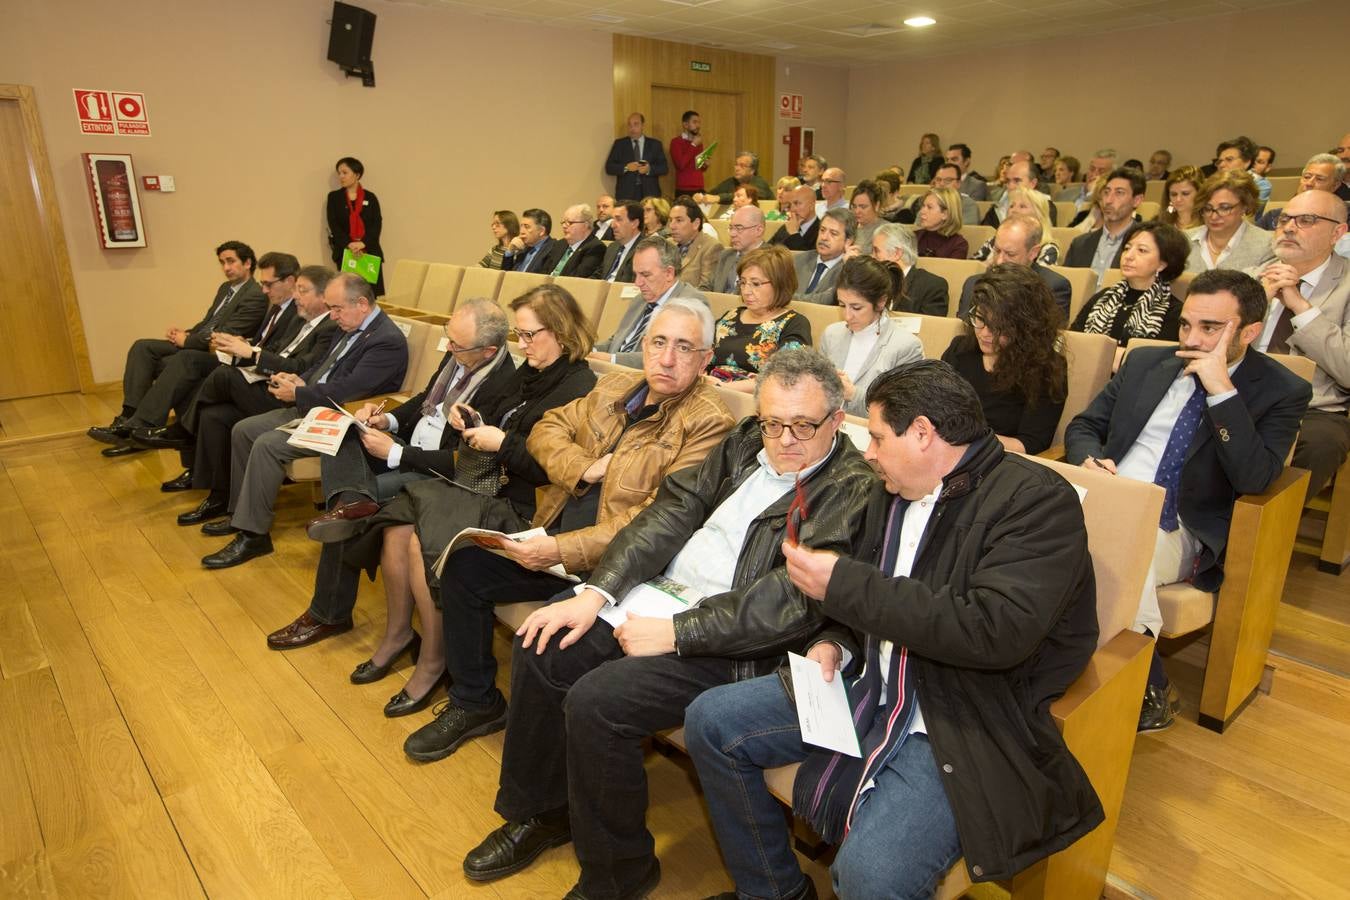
<point>473,582</point>
<point>574,736</point>
<point>225,398</point>
<point>160,377</point>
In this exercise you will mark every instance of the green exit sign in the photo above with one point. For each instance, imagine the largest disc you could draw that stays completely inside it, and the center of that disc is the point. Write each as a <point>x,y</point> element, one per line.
<point>697,66</point>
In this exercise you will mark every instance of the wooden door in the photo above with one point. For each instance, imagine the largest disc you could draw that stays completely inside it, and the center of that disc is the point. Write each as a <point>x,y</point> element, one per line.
<point>39,356</point>
<point>721,123</point>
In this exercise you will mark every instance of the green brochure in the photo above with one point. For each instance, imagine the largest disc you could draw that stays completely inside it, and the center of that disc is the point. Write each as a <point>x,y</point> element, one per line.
<point>365,265</point>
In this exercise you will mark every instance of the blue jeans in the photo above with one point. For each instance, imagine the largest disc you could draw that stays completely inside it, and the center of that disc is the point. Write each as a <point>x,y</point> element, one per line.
<point>903,836</point>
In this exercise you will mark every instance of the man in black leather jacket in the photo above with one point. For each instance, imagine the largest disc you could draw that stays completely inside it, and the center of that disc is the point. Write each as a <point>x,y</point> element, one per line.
<point>972,590</point>
<point>581,706</point>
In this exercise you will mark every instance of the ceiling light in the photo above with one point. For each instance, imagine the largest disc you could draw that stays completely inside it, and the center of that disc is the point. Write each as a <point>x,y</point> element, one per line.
<point>921,21</point>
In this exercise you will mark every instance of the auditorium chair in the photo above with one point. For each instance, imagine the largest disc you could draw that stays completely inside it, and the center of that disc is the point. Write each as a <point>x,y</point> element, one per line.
<point>479,282</point>
<point>1082,284</point>
<point>516,283</point>
<point>440,288</point>
<point>935,333</point>
<point>976,234</point>
<point>1283,187</point>
<point>404,284</point>
<point>954,272</point>
<point>590,294</point>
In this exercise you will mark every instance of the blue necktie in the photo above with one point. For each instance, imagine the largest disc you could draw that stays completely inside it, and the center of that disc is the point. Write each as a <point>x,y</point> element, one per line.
<point>1168,475</point>
<point>815,279</point>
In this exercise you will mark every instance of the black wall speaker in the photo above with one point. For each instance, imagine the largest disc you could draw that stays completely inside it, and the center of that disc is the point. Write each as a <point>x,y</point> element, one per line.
<point>350,37</point>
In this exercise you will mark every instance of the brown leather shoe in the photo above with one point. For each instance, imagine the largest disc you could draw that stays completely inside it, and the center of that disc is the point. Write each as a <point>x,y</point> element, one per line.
<point>304,631</point>
<point>340,522</point>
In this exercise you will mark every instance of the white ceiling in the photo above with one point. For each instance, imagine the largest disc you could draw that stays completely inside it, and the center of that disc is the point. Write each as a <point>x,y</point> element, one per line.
<point>819,30</point>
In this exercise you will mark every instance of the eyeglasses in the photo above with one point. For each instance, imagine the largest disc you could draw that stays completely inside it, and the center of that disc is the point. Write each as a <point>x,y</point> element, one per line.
<point>977,321</point>
<point>659,345</point>
<point>737,229</point>
<point>755,285</point>
<point>802,431</point>
<point>832,181</point>
<point>527,337</point>
<point>456,348</point>
<point>1221,209</point>
<point>267,285</point>
<point>1304,220</point>
<point>565,222</point>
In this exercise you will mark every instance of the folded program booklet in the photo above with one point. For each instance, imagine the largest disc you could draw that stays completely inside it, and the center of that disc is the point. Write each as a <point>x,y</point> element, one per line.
<point>493,542</point>
<point>321,430</point>
<point>659,598</point>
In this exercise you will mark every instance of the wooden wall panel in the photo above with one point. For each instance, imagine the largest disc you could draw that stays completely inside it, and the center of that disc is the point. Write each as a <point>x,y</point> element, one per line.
<point>641,63</point>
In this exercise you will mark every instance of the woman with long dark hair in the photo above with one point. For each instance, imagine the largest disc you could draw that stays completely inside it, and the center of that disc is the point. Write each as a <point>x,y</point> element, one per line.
<point>1011,355</point>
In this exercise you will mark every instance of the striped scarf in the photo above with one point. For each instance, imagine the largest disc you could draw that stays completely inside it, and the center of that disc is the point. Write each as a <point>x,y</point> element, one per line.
<point>1146,317</point>
<point>829,784</point>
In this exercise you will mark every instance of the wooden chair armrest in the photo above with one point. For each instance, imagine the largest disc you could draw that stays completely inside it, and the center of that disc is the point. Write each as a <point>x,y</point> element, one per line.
<point>1279,488</point>
<point>1057,453</point>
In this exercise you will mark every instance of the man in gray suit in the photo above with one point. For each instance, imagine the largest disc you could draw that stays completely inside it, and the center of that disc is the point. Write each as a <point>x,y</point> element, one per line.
<point>1309,290</point>
<point>656,271</point>
<point>1018,242</point>
<point>162,374</point>
<point>746,233</point>
<point>818,271</point>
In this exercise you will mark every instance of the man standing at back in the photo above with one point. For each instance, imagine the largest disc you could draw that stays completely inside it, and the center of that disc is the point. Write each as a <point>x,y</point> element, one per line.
<point>637,163</point>
<point>160,373</point>
<point>684,151</point>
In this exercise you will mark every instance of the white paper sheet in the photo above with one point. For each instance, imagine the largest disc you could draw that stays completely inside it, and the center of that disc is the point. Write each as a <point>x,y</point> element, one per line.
<point>660,598</point>
<point>822,707</point>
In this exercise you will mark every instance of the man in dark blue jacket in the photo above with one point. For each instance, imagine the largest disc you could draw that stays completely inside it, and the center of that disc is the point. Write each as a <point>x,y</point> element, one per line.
<point>972,598</point>
<point>637,163</point>
<point>369,357</point>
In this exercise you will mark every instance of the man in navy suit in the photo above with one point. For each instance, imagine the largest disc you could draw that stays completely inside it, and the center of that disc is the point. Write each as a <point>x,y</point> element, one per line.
<point>532,250</point>
<point>1208,421</point>
<point>637,163</point>
<point>370,357</point>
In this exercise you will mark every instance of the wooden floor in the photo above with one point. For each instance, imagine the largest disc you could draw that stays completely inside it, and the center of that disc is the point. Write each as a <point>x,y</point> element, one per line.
<point>155,748</point>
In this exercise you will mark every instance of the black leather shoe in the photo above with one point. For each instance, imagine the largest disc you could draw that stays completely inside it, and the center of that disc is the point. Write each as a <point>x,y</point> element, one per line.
<point>182,483</point>
<point>115,433</point>
<point>806,892</point>
<point>122,449</point>
<point>1160,708</point>
<point>244,547</point>
<point>402,704</point>
<point>642,889</point>
<point>515,845</point>
<point>167,437</point>
<point>452,727</point>
<point>207,510</point>
<point>219,528</point>
<point>369,673</point>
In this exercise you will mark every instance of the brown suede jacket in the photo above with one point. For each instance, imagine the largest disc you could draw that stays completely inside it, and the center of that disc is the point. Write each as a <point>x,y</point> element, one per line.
<point>569,438</point>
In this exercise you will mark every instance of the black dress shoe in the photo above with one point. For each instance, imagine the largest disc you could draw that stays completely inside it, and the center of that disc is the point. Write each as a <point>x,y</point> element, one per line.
<point>219,528</point>
<point>1160,708</point>
<point>806,892</point>
<point>369,673</point>
<point>402,704</point>
<point>182,483</point>
<point>515,845</point>
<point>644,887</point>
<point>115,433</point>
<point>244,547</point>
<point>452,727</point>
<point>168,437</point>
<point>207,510</point>
<point>122,449</point>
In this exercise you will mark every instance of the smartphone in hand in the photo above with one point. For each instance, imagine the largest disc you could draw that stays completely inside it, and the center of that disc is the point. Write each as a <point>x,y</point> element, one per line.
<point>470,415</point>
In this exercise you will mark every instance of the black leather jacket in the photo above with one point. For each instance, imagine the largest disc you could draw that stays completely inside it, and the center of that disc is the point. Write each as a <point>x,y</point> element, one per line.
<point>763,615</point>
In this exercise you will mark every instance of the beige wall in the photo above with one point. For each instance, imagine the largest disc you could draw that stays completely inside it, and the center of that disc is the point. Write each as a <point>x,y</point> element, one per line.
<point>1274,75</point>
<point>469,115</point>
<point>824,91</point>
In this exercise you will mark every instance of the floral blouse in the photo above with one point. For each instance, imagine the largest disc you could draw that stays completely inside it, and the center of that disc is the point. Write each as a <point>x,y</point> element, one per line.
<point>740,349</point>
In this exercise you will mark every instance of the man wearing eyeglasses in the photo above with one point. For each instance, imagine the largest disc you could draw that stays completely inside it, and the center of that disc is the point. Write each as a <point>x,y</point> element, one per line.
<point>1309,291</point>
<point>409,443</point>
<point>1206,421</point>
<point>591,677</point>
<point>832,191</point>
<point>605,455</point>
<point>656,270</point>
<point>1322,172</point>
<point>582,253</point>
<point>746,233</point>
<point>965,607</point>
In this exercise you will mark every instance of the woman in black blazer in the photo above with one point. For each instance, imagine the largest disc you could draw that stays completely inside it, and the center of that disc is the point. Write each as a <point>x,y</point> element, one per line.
<point>354,220</point>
